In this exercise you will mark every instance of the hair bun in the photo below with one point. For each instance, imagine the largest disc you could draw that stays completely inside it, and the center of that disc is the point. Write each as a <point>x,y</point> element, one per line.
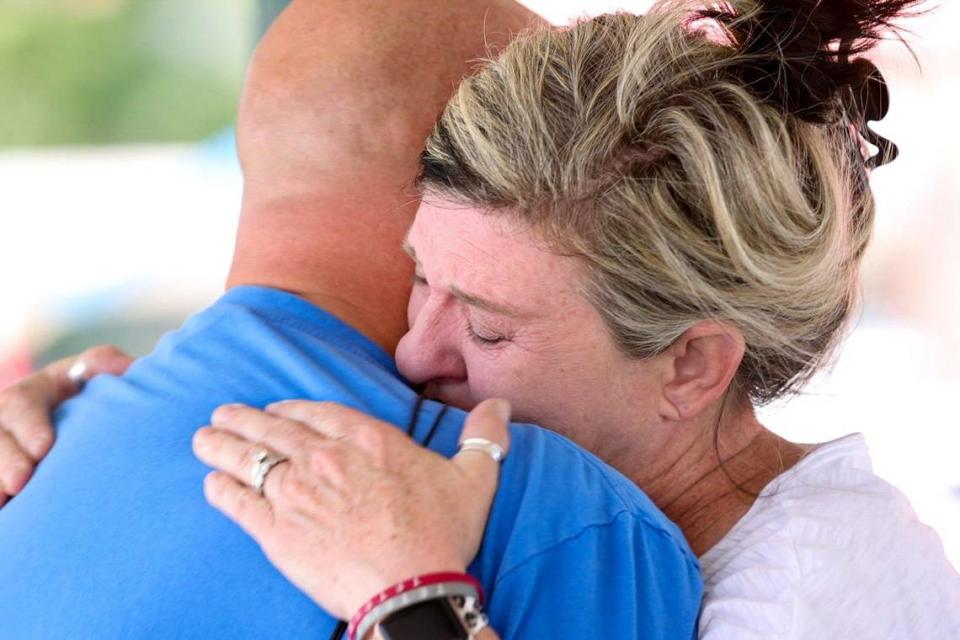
<point>797,54</point>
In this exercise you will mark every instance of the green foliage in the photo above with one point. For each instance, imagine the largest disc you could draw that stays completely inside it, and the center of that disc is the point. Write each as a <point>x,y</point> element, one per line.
<point>111,71</point>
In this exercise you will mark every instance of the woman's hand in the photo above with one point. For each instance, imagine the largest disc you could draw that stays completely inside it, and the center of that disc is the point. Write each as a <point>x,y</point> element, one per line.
<point>26,430</point>
<point>357,506</point>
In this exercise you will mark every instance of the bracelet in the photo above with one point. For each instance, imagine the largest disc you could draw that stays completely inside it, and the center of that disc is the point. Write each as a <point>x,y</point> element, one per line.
<point>409,592</point>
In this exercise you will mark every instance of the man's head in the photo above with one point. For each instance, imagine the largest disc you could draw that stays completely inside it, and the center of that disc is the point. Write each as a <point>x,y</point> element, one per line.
<point>339,98</point>
<point>347,91</point>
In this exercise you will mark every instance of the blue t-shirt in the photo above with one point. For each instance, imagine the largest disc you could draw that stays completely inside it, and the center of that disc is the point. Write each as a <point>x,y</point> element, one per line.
<point>112,537</point>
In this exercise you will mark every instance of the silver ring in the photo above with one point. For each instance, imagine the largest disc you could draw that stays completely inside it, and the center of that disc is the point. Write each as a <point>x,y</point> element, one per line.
<point>77,374</point>
<point>263,462</point>
<point>483,445</point>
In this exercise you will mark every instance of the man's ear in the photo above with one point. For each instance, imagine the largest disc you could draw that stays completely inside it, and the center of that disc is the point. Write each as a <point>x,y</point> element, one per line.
<point>700,365</point>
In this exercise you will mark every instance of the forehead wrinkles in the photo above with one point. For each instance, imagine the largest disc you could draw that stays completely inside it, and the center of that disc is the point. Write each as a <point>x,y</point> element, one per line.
<point>480,255</point>
<point>471,249</point>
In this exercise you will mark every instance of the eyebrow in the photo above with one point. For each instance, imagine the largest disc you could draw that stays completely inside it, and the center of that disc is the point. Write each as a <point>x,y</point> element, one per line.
<point>481,303</point>
<point>468,298</point>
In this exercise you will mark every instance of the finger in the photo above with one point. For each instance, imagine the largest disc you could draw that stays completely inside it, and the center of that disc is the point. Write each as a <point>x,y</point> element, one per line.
<point>226,452</point>
<point>236,457</point>
<point>105,359</point>
<point>286,437</point>
<point>25,414</point>
<point>332,419</point>
<point>240,503</point>
<point>16,466</point>
<point>488,420</point>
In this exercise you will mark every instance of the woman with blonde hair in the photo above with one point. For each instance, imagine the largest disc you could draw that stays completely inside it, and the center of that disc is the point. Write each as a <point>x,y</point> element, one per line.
<point>638,229</point>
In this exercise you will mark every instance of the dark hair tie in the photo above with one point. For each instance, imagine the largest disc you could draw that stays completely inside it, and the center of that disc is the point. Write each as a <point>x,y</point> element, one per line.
<point>797,55</point>
<point>869,101</point>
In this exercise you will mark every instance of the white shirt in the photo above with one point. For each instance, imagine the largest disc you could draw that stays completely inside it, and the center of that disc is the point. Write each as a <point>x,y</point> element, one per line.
<point>829,551</point>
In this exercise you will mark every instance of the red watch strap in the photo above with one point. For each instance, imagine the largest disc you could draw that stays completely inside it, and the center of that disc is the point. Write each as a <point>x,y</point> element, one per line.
<point>408,585</point>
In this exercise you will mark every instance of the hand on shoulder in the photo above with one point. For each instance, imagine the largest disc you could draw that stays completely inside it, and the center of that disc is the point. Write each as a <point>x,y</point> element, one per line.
<point>26,428</point>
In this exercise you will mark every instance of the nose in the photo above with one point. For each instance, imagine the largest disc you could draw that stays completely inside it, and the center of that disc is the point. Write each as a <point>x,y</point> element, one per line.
<point>430,349</point>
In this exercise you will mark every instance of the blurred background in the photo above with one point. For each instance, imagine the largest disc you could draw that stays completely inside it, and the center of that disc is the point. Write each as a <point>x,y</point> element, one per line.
<point>119,192</point>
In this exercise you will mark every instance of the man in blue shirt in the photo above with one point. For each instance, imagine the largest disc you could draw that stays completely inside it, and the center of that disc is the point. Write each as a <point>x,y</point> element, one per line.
<point>112,537</point>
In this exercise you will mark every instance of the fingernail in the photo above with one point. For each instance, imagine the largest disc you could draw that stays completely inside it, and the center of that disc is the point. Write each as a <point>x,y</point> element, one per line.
<point>223,413</point>
<point>502,409</point>
<point>278,404</point>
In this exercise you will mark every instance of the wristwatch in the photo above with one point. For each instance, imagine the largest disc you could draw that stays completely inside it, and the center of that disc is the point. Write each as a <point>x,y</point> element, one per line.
<point>452,618</point>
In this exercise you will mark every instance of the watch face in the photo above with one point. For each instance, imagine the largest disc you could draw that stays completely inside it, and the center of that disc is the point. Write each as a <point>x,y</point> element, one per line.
<point>430,620</point>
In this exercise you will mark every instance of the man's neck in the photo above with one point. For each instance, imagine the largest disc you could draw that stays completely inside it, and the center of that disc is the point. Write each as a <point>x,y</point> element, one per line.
<point>708,482</point>
<point>350,265</point>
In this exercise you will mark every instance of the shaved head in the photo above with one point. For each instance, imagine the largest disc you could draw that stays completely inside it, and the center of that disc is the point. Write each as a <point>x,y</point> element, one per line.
<point>338,101</point>
<point>342,86</point>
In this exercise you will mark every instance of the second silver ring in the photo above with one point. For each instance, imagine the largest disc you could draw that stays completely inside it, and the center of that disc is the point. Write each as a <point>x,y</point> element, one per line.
<point>263,462</point>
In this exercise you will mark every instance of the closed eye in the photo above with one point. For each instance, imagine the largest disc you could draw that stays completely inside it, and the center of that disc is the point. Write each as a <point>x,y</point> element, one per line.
<point>485,341</point>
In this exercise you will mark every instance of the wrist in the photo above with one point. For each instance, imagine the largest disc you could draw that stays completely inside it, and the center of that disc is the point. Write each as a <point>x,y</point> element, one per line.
<point>399,574</point>
<point>440,605</point>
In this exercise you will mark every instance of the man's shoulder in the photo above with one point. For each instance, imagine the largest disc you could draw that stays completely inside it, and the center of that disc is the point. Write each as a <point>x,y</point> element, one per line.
<point>557,500</point>
<point>565,518</point>
<point>602,493</point>
<point>257,345</point>
<point>266,315</point>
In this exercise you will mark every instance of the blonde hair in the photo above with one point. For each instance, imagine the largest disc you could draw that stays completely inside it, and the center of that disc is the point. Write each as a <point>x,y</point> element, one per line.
<point>640,145</point>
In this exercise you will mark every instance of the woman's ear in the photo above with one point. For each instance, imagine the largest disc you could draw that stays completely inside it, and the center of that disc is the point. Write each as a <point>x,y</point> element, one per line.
<point>700,365</point>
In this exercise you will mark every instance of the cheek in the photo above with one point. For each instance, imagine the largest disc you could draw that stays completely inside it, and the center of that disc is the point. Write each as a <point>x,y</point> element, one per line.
<point>511,373</point>
<point>544,385</point>
<point>485,378</point>
<point>535,397</point>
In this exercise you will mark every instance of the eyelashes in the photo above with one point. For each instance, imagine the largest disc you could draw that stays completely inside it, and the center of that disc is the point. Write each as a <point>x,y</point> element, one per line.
<point>482,338</point>
<point>485,341</point>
